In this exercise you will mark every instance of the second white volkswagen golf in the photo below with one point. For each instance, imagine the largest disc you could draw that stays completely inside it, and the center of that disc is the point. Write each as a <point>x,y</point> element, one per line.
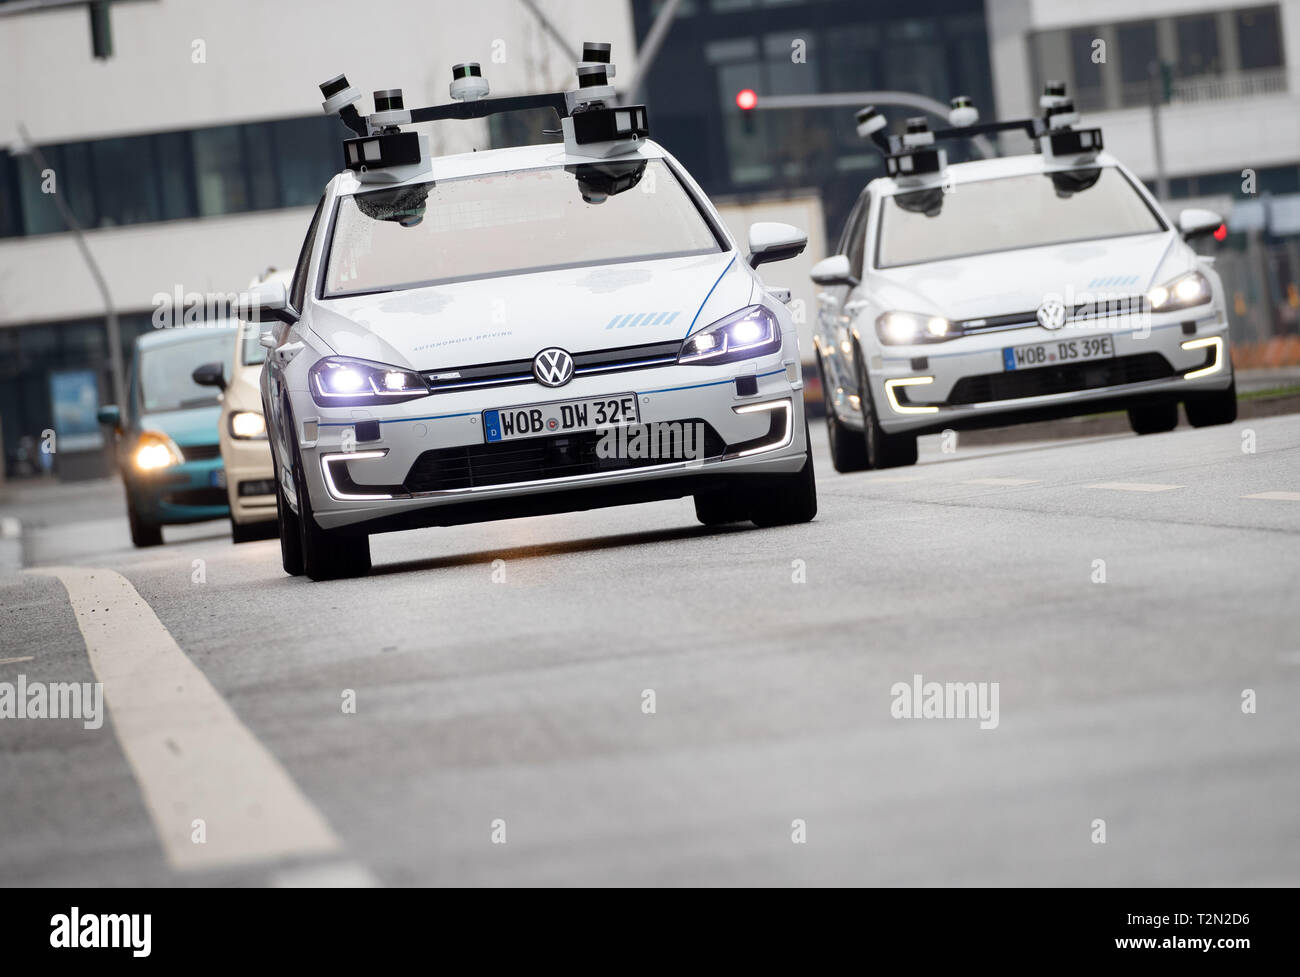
<point>523,331</point>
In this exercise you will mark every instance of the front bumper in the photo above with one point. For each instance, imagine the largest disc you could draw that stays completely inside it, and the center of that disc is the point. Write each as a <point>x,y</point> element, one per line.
<point>368,482</point>
<point>964,383</point>
<point>249,479</point>
<point>194,491</point>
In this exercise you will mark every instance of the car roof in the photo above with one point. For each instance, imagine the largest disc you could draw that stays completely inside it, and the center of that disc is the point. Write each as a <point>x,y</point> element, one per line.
<point>186,334</point>
<point>989,169</point>
<point>498,161</point>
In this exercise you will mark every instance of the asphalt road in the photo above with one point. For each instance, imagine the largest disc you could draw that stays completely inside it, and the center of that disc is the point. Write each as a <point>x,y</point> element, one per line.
<point>506,702</point>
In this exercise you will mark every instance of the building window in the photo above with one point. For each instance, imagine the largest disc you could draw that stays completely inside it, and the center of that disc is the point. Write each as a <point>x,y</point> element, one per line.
<point>1259,38</point>
<point>1137,53</point>
<point>1198,46</point>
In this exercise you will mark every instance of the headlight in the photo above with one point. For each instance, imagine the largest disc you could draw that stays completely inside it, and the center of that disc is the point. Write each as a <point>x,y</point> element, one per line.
<point>154,451</point>
<point>742,335</point>
<point>907,328</point>
<point>1183,292</point>
<point>247,424</point>
<point>338,381</point>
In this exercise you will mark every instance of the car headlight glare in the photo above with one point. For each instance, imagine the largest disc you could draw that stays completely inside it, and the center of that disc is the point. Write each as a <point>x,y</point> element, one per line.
<point>247,424</point>
<point>904,328</point>
<point>743,335</point>
<point>340,381</point>
<point>1183,292</point>
<point>154,450</point>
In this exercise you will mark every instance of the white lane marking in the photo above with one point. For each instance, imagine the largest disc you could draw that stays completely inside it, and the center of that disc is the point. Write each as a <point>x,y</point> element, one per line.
<point>1000,481</point>
<point>331,875</point>
<point>191,755</point>
<point>15,661</point>
<point>1275,496</point>
<point>1134,486</point>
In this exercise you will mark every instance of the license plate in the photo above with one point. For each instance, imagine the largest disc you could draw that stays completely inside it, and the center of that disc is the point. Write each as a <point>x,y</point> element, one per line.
<point>561,417</point>
<point>1061,351</point>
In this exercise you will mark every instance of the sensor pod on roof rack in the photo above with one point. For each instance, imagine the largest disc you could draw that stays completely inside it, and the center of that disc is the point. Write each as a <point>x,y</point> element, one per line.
<point>338,94</point>
<point>598,52</point>
<point>467,82</point>
<point>870,121</point>
<point>963,112</point>
<point>1074,145</point>
<point>1053,94</point>
<point>919,156</point>
<point>917,133</point>
<point>390,112</point>
<point>1061,115</point>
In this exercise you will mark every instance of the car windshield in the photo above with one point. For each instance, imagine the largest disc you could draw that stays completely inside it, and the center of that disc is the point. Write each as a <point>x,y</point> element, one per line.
<point>513,223</point>
<point>252,352</point>
<point>1026,211</point>
<point>165,381</point>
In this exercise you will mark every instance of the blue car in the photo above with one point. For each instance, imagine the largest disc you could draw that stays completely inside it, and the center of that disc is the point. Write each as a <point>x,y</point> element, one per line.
<point>167,447</point>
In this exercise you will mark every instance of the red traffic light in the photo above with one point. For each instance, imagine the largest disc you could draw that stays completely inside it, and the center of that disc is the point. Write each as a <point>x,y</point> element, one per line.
<point>746,99</point>
<point>1221,232</point>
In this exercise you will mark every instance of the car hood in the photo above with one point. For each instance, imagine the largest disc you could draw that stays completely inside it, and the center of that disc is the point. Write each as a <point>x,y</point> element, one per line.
<point>515,317</point>
<point>191,425</point>
<point>1018,281</point>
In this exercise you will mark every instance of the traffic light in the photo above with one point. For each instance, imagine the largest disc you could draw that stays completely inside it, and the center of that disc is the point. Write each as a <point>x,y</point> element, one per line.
<point>746,99</point>
<point>101,31</point>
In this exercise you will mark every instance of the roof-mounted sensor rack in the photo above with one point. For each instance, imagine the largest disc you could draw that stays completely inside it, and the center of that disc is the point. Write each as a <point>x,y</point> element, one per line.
<point>914,155</point>
<point>592,122</point>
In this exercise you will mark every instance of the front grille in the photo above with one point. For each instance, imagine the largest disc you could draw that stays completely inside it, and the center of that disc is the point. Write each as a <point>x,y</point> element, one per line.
<point>510,372</point>
<point>532,459</point>
<point>1044,380</point>
<point>203,496</point>
<point>200,452</point>
<point>1102,307</point>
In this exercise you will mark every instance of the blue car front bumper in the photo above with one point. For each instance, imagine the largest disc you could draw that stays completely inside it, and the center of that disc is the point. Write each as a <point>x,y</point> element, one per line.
<point>191,492</point>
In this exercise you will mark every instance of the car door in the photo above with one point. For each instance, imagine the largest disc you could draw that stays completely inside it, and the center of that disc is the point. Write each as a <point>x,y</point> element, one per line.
<point>278,425</point>
<point>833,318</point>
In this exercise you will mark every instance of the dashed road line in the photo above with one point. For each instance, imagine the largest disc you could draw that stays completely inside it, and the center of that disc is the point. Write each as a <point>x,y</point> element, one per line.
<point>192,756</point>
<point>1134,486</point>
<point>330,875</point>
<point>15,661</point>
<point>1275,496</point>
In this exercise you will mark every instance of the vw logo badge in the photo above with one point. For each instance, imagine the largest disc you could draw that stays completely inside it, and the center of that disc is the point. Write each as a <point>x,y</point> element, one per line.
<point>1051,314</point>
<point>553,367</point>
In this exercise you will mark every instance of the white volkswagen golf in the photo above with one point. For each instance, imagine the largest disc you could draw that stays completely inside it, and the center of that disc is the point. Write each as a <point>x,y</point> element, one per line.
<point>1012,289</point>
<point>523,331</point>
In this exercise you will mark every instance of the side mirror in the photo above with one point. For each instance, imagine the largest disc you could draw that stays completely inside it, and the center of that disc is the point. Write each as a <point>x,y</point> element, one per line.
<point>1194,223</point>
<point>267,302</point>
<point>267,340</point>
<point>111,415</point>
<point>209,375</point>
<point>834,270</point>
<point>770,241</point>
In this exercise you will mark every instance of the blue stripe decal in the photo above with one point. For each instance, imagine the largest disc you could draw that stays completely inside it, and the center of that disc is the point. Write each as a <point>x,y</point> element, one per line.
<point>696,386</point>
<point>710,295</point>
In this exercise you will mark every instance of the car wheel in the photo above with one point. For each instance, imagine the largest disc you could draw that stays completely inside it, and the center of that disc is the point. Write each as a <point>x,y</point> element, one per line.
<point>1154,418</point>
<point>290,539</point>
<point>143,532</point>
<point>247,532</point>
<point>848,450</point>
<point>882,450</point>
<point>783,500</point>
<point>325,555</point>
<point>720,508</point>
<point>1208,410</point>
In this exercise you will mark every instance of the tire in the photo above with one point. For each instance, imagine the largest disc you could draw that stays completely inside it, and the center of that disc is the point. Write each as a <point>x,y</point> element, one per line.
<point>325,555</point>
<point>1154,418</point>
<point>143,532</point>
<point>1208,410</point>
<point>722,507</point>
<point>290,539</point>
<point>848,449</point>
<point>882,450</point>
<point>247,532</point>
<point>784,500</point>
